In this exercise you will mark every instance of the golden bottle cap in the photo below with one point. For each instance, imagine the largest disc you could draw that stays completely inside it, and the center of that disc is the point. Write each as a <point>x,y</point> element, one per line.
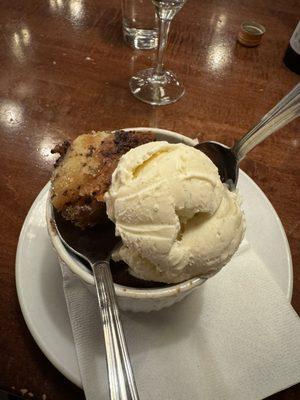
<point>251,33</point>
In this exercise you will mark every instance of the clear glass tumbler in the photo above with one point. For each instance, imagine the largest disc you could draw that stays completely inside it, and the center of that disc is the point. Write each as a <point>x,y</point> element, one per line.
<point>140,26</point>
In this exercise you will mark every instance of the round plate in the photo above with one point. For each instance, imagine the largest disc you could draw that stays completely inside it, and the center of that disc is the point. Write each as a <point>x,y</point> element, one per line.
<point>39,281</point>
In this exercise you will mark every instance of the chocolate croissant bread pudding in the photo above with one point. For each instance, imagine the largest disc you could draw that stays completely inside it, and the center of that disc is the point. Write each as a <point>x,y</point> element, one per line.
<point>174,216</point>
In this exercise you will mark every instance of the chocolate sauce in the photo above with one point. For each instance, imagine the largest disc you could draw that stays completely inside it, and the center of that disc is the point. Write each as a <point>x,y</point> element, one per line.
<point>97,242</point>
<point>120,274</point>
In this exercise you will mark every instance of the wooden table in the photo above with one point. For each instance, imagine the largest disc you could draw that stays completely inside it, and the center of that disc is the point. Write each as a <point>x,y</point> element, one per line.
<point>65,70</point>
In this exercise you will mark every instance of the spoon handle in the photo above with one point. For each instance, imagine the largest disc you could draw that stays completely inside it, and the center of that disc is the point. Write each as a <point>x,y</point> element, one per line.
<point>121,380</point>
<point>280,115</point>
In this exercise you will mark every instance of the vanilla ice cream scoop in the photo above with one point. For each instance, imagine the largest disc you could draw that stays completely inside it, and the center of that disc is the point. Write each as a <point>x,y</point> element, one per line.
<point>175,217</point>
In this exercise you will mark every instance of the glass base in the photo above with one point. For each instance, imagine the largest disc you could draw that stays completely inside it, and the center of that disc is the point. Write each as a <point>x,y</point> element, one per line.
<point>141,39</point>
<point>156,89</point>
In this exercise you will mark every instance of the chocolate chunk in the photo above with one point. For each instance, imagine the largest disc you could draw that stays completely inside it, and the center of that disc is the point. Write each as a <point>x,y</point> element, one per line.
<point>61,149</point>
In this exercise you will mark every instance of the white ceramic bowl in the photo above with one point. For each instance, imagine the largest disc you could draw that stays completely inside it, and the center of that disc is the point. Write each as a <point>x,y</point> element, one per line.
<point>129,298</point>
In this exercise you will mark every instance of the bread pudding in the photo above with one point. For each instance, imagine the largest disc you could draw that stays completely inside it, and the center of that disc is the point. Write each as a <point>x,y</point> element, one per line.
<point>83,173</point>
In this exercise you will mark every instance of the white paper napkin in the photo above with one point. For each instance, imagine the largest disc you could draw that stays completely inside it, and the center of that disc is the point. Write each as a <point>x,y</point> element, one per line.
<point>235,338</point>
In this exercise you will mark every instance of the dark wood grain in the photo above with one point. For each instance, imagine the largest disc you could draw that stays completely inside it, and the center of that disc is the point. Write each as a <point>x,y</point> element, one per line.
<point>65,70</point>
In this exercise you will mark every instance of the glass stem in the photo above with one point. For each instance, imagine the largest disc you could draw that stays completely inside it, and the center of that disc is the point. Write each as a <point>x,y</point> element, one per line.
<point>164,26</point>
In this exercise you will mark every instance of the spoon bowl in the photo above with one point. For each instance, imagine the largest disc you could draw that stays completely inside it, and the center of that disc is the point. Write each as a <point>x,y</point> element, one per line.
<point>224,159</point>
<point>92,243</point>
<point>227,159</point>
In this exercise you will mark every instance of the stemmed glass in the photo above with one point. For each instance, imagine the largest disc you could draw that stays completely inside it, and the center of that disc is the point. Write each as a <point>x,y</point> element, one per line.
<point>158,86</point>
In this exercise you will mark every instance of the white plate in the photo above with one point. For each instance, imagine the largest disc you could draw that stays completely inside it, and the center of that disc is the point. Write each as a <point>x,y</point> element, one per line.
<point>39,282</point>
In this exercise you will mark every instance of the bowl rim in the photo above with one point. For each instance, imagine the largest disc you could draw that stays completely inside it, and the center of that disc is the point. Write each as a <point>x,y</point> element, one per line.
<point>123,291</point>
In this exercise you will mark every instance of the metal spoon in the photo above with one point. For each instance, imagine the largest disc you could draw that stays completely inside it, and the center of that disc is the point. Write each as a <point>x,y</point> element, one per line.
<point>227,159</point>
<point>95,245</point>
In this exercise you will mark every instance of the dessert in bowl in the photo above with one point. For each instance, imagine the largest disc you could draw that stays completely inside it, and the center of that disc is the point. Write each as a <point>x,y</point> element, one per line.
<point>177,221</point>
